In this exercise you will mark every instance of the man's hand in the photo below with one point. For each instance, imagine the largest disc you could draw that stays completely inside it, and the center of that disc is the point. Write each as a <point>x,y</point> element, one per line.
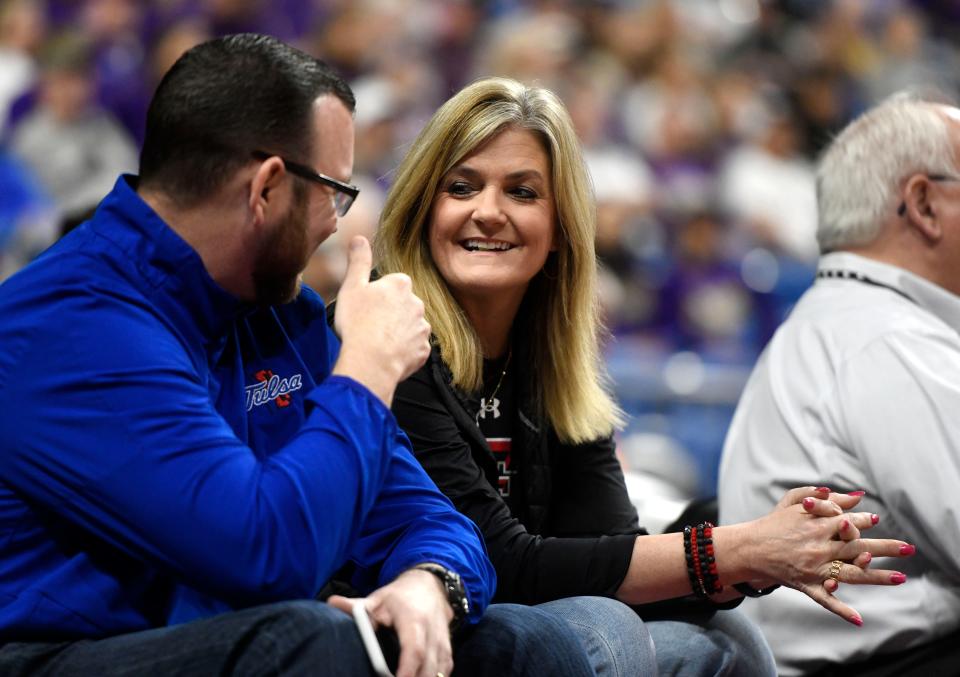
<point>415,605</point>
<point>385,336</point>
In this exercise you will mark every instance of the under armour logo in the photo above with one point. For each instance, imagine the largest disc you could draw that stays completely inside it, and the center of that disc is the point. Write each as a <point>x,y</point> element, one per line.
<point>491,407</point>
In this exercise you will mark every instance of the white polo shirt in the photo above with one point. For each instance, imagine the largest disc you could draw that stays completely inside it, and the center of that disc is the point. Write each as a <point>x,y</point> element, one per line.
<point>859,389</point>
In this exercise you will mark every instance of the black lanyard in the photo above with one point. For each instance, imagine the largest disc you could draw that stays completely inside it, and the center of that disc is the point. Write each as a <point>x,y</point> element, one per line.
<point>859,277</point>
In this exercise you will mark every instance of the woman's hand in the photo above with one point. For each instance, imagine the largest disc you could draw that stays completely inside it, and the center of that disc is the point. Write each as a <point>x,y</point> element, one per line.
<point>824,503</point>
<point>820,501</point>
<point>798,542</point>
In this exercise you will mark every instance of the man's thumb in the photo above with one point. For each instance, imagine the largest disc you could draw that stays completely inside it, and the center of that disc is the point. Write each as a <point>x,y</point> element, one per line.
<point>359,262</point>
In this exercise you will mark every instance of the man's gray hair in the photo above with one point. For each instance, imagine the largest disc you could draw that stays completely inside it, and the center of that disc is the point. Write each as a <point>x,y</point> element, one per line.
<point>860,174</point>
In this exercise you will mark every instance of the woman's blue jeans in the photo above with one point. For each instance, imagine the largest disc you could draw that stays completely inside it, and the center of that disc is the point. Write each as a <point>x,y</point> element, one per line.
<point>620,643</point>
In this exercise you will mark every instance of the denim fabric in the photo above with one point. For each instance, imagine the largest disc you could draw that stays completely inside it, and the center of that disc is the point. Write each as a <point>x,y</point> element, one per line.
<point>513,639</point>
<point>615,638</point>
<point>724,644</point>
<point>300,638</point>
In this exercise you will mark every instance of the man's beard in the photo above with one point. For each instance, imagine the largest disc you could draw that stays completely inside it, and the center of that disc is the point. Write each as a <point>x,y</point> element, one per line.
<point>283,256</point>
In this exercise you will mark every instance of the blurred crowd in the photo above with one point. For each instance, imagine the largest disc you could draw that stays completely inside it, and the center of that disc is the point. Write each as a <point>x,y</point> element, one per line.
<point>701,121</point>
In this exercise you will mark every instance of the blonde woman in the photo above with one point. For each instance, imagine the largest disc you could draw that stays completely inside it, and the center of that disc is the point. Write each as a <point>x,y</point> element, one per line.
<point>491,215</point>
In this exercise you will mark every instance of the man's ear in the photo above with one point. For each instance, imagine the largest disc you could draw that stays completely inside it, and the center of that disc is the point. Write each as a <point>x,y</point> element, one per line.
<point>262,195</point>
<point>921,211</point>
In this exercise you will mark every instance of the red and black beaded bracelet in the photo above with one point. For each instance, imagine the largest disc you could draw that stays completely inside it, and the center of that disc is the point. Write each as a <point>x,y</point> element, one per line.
<point>701,561</point>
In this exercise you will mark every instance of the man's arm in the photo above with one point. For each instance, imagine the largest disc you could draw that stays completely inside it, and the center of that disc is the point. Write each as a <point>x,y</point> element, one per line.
<point>110,425</point>
<point>422,526</point>
<point>898,401</point>
<point>117,435</point>
<point>417,524</point>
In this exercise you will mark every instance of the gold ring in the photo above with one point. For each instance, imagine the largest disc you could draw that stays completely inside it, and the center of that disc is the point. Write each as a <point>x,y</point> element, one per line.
<point>835,570</point>
<point>439,674</point>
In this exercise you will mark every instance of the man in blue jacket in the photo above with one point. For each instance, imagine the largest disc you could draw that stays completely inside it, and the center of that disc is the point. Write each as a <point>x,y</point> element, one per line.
<point>187,453</point>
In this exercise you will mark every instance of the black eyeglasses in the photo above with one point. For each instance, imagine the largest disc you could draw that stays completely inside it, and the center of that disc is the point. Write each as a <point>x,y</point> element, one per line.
<point>344,194</point>
<point>902,209</point>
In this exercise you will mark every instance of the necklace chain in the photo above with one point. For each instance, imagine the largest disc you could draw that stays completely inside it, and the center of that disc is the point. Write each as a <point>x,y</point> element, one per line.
<point>491,405</point>
<point>503,374</point>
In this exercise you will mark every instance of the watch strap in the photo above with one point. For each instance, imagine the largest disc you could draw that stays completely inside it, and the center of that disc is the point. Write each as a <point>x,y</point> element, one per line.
<point>453,587</point>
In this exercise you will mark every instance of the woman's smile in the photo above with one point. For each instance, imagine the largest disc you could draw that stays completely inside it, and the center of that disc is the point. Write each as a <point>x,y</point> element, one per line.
<point>493,223</point>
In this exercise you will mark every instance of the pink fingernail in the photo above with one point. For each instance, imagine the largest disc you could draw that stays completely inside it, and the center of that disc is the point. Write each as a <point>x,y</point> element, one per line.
<point>868,558</point>
<point>856,620</point>
<point>856,493</point>
<point>823,490</point>
<point>898,578</point>
<point>907,549</point>
<point>844,525</point>
<point>808,503</point>
<point>875,519</point>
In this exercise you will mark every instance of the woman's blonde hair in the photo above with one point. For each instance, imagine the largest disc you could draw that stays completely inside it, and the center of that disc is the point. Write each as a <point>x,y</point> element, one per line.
<point>560,309</point>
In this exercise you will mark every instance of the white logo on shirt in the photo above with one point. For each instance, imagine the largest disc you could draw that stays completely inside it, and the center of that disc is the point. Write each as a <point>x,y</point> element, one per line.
<point>272,388</point>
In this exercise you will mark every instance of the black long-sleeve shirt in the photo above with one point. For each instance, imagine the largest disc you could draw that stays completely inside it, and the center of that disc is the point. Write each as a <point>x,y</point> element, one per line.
<point>575,527</point>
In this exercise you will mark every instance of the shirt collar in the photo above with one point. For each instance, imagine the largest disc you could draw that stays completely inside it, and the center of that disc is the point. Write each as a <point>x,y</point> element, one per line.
<point>924,293</point>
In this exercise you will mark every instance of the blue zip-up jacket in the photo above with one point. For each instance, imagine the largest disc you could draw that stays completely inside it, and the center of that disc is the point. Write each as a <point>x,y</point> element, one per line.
<point>168,452</point>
